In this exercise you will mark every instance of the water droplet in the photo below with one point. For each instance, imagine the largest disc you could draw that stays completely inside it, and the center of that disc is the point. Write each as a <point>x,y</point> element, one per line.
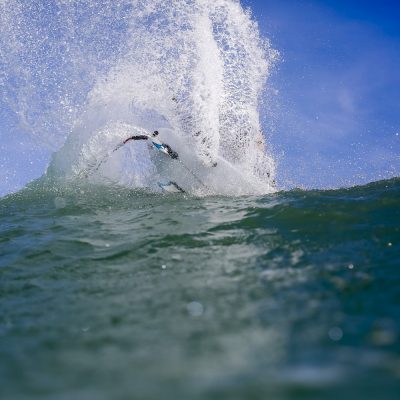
<point>195,309</point>
<point>335,334</point>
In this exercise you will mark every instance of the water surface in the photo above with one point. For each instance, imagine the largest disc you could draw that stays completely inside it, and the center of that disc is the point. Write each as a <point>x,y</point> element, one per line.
<point>111,293</point>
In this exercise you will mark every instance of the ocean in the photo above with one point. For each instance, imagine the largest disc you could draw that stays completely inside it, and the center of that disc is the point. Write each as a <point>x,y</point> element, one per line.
<point>115,293</point>
<point>237,289</point>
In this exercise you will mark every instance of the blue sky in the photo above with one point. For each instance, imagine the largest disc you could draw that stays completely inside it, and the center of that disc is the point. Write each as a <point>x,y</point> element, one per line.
<point>334,97</point>
<point>336,116</point>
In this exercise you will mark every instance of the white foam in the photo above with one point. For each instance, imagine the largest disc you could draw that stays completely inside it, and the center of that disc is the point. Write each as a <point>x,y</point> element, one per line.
<point>82,78</point>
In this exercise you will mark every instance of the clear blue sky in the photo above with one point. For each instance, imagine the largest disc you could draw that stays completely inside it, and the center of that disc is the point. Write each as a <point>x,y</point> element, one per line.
<point>335,107</point>
<point>336,116</point>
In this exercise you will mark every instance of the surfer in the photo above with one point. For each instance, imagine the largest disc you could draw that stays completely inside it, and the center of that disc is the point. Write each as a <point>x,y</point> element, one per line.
<point>161,146</point>
<point>164,148</point>
<point>171,187</point>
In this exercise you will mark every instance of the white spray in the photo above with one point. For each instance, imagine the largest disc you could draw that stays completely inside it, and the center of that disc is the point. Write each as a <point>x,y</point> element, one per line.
<point>84,75</point>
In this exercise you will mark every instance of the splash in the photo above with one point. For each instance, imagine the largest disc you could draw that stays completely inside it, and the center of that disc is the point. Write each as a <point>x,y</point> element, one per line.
<point>84,75</point>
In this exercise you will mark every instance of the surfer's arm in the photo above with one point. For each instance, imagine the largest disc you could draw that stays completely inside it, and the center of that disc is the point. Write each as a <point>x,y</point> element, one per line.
<point>138,137</point>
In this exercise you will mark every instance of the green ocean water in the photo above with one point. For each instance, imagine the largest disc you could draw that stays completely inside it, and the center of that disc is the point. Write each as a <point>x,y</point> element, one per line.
<point>108,293</point>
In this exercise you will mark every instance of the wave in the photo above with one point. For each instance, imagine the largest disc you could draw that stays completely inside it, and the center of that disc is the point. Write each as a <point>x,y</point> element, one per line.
<point>84,76</point>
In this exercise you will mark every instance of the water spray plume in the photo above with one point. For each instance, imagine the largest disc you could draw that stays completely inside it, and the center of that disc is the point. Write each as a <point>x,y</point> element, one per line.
<point>83,75</point>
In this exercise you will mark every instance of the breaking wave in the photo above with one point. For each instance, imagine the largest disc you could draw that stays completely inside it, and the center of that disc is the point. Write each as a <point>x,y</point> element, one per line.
<point>82,76</point>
